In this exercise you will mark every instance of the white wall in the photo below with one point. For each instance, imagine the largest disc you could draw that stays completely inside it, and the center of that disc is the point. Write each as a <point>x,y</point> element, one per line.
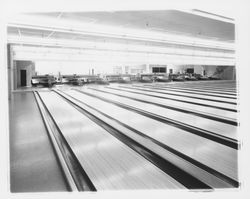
<point>71,67</point>
<point>198,69</point>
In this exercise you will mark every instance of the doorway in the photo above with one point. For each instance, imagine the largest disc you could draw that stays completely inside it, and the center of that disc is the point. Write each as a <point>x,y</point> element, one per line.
<point>23,78</point>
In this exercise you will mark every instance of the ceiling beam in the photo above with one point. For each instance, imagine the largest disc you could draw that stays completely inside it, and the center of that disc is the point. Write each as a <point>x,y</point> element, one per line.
<point>19,32</point>
<point>58,17</point>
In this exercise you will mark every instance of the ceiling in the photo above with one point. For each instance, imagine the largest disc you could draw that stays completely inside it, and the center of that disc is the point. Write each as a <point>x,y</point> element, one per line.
<point>148,32</point>
<point>168,21</point>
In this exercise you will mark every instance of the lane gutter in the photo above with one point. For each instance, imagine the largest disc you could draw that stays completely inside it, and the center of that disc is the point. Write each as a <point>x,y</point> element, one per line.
<point>75,175</point>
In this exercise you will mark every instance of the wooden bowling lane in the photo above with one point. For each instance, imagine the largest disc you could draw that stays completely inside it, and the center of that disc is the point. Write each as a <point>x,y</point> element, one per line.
<point>221,83</point>
<point>216,101</point>
<point>182,105</point>
<point>75,176</point>
<point>187,90</point>
<point>212,82</point>
<point>211,177</point>
<point>216,156</point>
<point>206,86</point>
<point>109,163</point>
<point>165,95</point>
<point>216,127</point>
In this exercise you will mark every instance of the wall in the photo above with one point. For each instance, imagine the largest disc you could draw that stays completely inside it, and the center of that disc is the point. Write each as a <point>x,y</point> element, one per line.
<point>224,72</point>
<point>228,73</point>
<point>135,69</point>
<point>210,70</point>
<point>29,66</point>
<point>198,69</point>
<point>72,67</point>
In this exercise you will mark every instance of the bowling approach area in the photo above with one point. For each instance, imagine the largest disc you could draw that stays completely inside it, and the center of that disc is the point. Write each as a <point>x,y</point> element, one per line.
<point>178,135</point>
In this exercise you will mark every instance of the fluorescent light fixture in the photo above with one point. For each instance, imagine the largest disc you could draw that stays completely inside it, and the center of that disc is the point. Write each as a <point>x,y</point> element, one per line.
<point>103,46</point>
<point>97,56</point>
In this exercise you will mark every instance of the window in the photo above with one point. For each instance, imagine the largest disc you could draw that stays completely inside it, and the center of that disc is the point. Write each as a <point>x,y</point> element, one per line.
<point>159,69</point>
<point>190,70</point>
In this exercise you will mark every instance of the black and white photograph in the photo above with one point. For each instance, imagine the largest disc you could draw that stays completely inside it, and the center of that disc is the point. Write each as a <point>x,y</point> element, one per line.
<point>122,100</point>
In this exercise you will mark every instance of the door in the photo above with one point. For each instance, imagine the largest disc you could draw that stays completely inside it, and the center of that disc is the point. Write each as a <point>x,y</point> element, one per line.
<point>23,78</point>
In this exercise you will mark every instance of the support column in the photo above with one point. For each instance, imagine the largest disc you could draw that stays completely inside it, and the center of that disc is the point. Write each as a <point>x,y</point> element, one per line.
<point>147,68</point>
<point>10,69</point>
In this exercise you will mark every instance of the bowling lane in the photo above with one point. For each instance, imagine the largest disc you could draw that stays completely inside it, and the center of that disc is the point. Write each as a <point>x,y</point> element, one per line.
<point>203,123</point>
<point>185,163</point>
<point>214,82</point>
<point>187,90</point>
<point>216,156</point>
<point>206,86</point>
<point>109,163</point>
<point>215,101</point>
<point>221,83</point>
<point>173,103</point>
